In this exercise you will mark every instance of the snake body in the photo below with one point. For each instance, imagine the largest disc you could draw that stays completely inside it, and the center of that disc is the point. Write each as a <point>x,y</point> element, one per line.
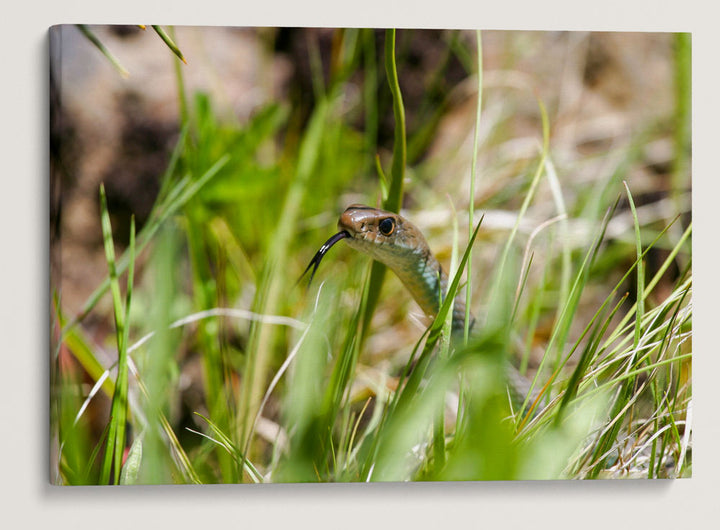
<point>397,243</point>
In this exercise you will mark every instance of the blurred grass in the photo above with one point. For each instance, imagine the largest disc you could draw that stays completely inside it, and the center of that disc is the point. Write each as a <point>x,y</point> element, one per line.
<point>393,200</point>
<point>229,397</point>
<point>115,443</point>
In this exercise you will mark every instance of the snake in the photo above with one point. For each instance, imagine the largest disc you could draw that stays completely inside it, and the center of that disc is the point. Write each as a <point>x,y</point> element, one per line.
<point>400,245</point>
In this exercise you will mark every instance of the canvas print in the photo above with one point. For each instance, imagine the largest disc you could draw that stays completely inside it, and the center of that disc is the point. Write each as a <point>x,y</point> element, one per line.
<point>290,255</point>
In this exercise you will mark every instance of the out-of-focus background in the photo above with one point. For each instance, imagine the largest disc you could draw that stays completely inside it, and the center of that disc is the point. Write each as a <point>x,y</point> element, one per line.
<point>617,110</point>
<point>601,89</point>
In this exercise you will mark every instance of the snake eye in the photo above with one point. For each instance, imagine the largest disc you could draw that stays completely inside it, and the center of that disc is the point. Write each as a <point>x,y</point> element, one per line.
<point>387,226</point>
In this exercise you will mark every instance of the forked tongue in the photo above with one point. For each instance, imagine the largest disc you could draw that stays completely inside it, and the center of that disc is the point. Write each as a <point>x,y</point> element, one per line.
<point>315,262</point>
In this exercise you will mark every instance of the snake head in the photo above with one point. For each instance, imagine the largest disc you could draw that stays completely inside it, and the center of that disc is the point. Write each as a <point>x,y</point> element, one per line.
<point>397,243</point>
<point>386,236</point>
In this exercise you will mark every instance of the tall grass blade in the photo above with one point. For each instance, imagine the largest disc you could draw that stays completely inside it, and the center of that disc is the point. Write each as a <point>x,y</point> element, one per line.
<point>118,413</point>
<point>525,204</point>
<point>473,178</point>
<point>176,199</point>
<point>273,282</point>
<point>393,202</point>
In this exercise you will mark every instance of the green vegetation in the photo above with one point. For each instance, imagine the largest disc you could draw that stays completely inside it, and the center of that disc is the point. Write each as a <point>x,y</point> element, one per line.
<point>336,382</point>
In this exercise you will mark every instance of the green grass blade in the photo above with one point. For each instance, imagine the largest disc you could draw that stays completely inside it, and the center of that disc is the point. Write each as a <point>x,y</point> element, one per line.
<point>640,310</point>
<point>410,381</point>
<point>180,457</point>
<point>563,323</point>
<point>439,425</point>
<point>85,30</point>
<point>273,284</point>
<point>122,381</point>
<point>566,258</point>
<point>383,179</point>
<point>370,100</point>
<point>658,275</point>
<point>397,174</point>
<point>119,408</point>
<point>473,177</point>
<point>226,443</point>
<point>586,357</point>
<point>79,345</point>
<point>169,42</point>
<point>435,329</point>
<point>524,207</point>
<point>573,298</point>
<point>175,201</point>
<point>394,200</point>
